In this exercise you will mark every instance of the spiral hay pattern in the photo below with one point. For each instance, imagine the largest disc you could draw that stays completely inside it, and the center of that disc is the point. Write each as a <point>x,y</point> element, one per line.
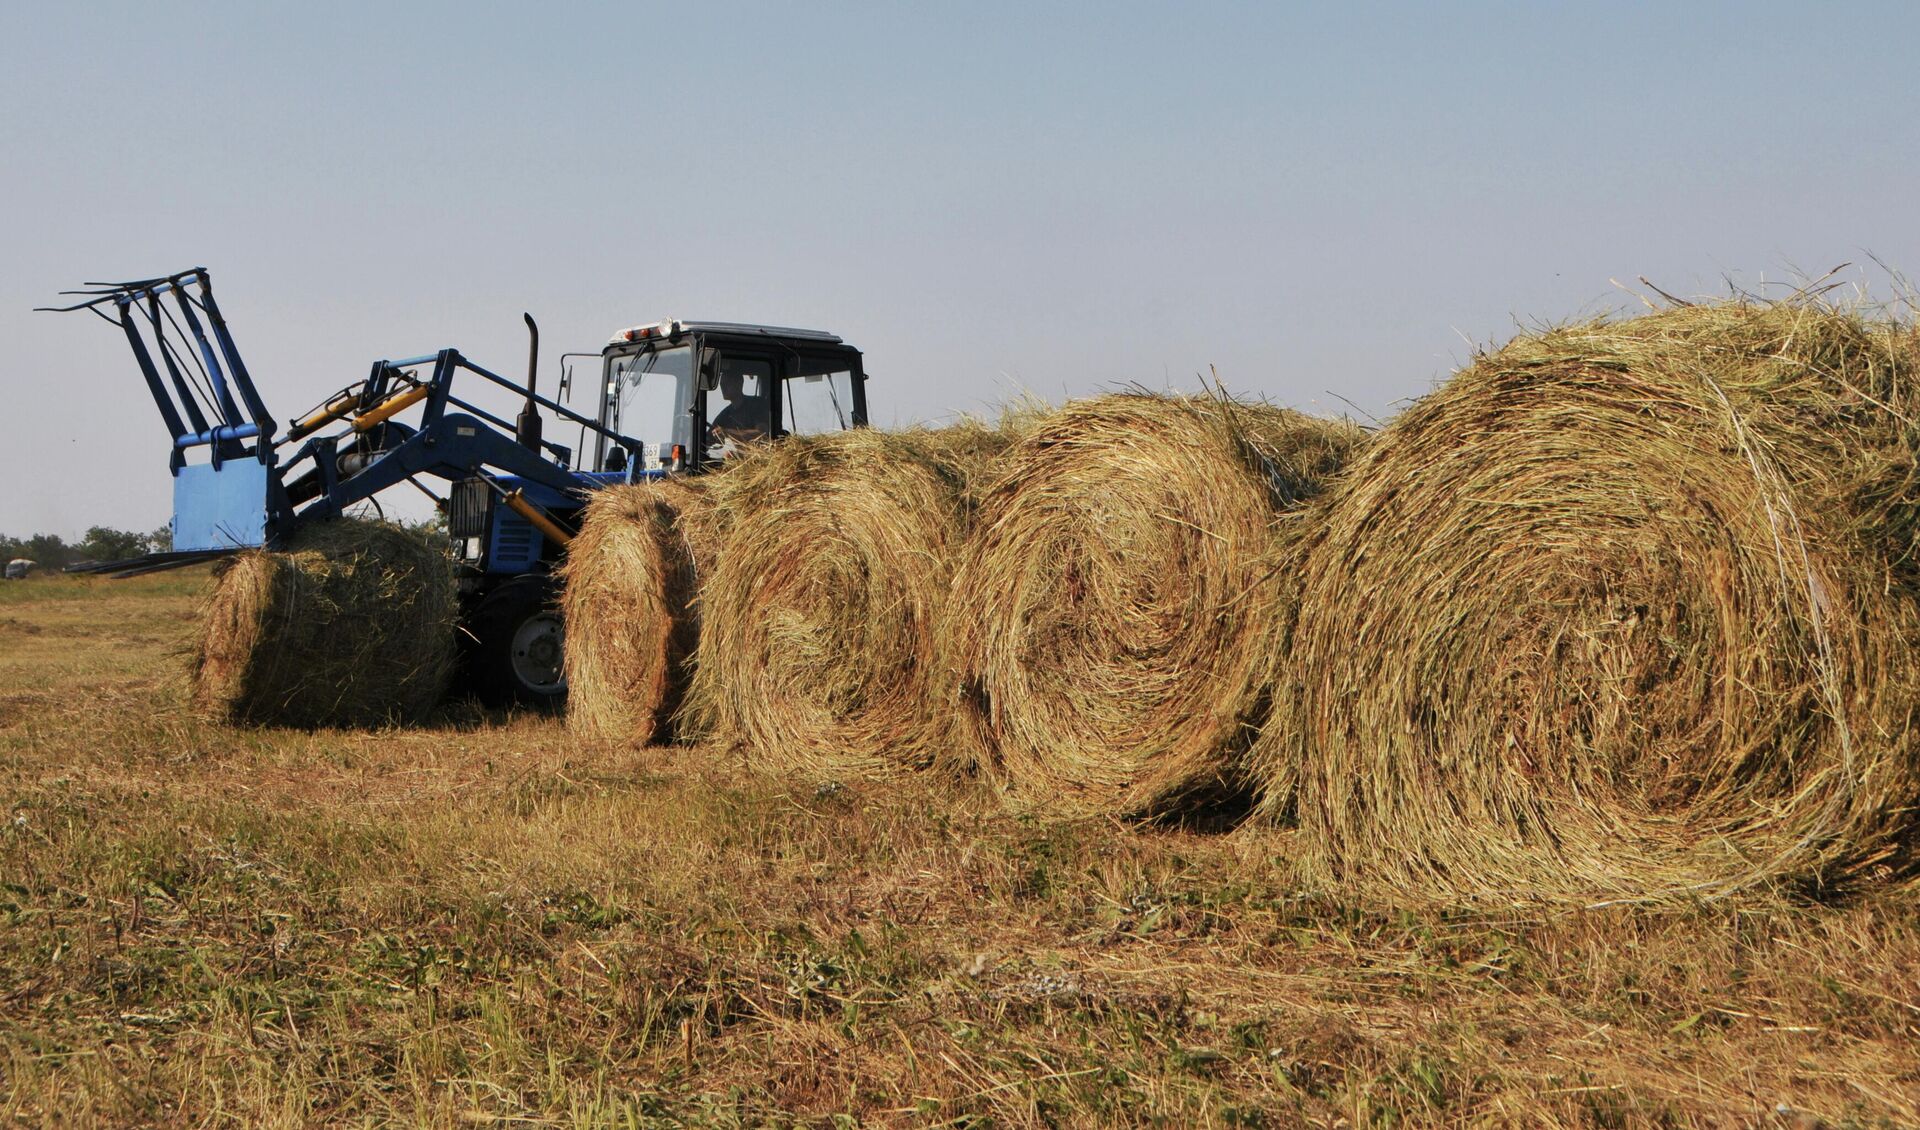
<point>817,656</point>
<point>1112,643</point>
<point>1623,610</point>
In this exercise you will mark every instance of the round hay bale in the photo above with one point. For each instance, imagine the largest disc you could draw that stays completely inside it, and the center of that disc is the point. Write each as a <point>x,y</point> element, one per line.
<point>352,626</point>
<point>631,580</point>
<point>817,656</point>
<point>1112,641</point>
<point>1621,611</point>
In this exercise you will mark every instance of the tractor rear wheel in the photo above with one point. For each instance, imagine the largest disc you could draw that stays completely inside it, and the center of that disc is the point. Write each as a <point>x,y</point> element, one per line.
<point>514,643</point>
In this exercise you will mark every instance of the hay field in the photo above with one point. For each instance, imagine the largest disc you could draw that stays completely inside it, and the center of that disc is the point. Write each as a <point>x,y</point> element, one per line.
<point>488,922</point>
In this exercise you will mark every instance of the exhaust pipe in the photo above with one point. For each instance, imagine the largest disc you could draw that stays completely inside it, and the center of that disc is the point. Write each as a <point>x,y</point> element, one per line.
<point>527,427</point>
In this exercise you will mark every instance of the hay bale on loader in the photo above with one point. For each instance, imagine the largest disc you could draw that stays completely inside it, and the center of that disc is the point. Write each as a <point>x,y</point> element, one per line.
<point>352,626</point>
<point>1125,576</point>
<point>630,604</point>
<point>1624,610</point>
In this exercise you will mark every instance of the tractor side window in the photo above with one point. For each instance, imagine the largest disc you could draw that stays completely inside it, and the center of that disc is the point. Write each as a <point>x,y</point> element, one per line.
<point>818,399</point>
<point>737,409</point>
<point>643,390</point>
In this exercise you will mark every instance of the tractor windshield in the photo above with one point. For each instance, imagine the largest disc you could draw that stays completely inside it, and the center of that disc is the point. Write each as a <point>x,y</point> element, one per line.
<point>818,397</point>
<point>643,390</point>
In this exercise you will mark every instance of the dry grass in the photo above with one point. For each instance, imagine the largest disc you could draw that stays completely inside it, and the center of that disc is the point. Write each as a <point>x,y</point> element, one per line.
<point>1621,611</point>
<point>1121,593</point>
<point>487,922</point>
<point>817,653</point>
<point>354,625</point>
<point>630,602</point>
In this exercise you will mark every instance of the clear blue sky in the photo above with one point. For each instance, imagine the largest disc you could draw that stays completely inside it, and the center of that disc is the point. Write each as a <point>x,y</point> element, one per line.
<point>1323,202</point>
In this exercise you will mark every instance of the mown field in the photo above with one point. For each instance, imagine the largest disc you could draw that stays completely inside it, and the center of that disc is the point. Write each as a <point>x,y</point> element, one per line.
<point>489,922</point>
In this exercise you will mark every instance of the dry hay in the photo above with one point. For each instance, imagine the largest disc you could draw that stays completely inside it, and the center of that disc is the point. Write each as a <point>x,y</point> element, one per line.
<point>1623,610</point>
<point>352,626</point>
<point>1120,590</point>
<point>817,656</point>
<point>629,603</point>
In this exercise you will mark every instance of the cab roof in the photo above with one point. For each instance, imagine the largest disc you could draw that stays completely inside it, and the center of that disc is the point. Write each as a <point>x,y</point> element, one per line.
<point>674,327</point>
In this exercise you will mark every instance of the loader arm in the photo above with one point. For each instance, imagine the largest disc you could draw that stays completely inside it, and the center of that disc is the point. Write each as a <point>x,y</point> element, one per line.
<point>456,447</point>
<point>249,492</point>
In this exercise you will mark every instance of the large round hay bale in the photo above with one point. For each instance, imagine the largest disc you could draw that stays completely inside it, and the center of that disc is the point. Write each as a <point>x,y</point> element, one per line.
<point>1622,610</point>
<point>630,605</point>
<point>1111,641</point>
<point>817,656</point>
<point>352,626</point>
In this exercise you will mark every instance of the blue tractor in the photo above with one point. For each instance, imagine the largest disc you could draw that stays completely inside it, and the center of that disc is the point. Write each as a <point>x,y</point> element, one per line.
<point>673,398</point>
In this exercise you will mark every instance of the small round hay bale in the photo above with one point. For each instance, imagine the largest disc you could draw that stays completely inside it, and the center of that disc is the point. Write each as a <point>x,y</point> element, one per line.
<point>630,608</point>
<point>1621,611</point>
<point>352,626</point>
<point>816,655</point>
<point>1111,642</point>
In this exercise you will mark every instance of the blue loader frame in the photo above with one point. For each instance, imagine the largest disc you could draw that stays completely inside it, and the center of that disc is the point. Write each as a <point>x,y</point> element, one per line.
<point>257,488</point>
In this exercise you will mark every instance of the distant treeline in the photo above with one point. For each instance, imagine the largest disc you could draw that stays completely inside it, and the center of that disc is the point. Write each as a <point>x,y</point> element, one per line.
<point>101,543</point>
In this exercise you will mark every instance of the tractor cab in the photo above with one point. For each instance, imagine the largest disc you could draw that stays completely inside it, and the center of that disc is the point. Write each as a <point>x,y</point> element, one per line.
<point>696,393</point>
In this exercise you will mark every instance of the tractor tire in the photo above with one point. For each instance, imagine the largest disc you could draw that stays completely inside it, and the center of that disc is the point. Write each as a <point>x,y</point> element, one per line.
<point>514,640</point>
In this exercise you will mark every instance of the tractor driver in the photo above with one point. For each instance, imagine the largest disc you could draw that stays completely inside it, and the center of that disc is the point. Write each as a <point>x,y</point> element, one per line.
<point>746,417</point>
